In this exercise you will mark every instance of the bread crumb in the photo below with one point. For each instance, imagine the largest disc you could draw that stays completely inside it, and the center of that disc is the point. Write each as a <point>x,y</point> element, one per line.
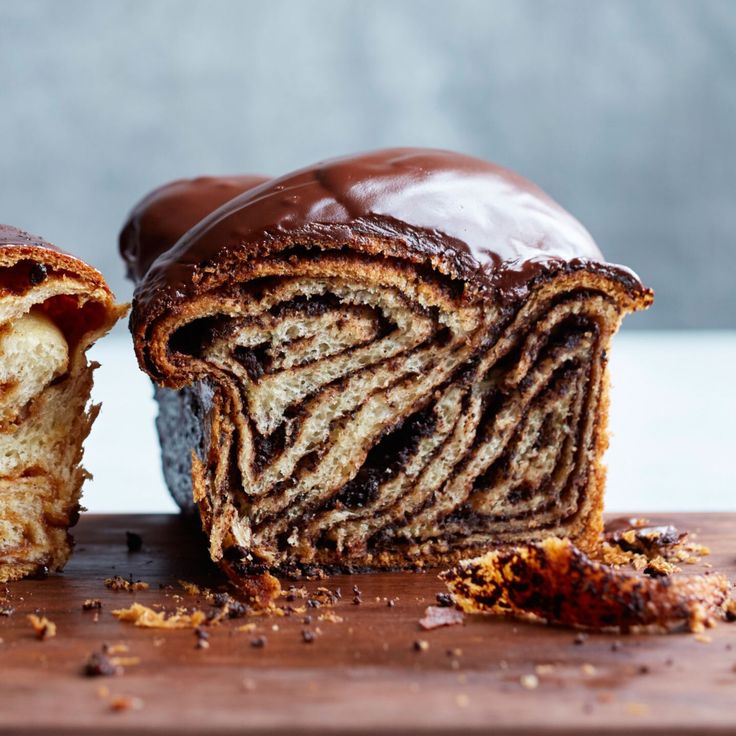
<point>147,618</point>
<point>331,617</point>
<point>120,583</point>
<point>119,648</point>
<point>42,627</point>
<point>462,700</point>
<point>121,703</point>
<point>529,682</point>
<point>588,669</point>
<point>544,669</point>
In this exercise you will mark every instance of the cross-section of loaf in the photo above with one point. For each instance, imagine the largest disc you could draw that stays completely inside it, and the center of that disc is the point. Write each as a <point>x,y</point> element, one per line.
<point>384,360</point>
<point>52,308</point>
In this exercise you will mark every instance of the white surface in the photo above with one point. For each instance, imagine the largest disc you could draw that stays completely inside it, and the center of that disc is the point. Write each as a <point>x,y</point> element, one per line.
<point>673,413</point>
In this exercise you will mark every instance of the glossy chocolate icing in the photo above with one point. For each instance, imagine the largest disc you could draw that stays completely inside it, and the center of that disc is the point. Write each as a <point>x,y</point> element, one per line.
<point>472,219</point>
<point>164,215</point>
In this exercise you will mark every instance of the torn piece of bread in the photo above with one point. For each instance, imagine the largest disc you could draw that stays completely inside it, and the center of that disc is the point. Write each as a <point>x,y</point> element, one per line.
<point>52,308</point>
<point>555,581</point>
<point>385,360</point>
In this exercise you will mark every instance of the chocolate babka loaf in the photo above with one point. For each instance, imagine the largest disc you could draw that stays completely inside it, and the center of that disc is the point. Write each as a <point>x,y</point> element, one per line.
<point>384,360</point>
<point>52,308</point>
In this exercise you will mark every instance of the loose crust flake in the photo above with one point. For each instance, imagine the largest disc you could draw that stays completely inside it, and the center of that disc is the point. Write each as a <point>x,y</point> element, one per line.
<point>554,581</point>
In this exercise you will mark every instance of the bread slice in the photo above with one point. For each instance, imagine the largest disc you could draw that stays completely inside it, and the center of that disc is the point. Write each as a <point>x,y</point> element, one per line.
<point>385,360</point>
<point>52,308</point>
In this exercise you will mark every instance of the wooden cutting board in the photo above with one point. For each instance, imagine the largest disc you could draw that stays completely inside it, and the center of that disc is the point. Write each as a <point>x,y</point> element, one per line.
<point>360,675</point>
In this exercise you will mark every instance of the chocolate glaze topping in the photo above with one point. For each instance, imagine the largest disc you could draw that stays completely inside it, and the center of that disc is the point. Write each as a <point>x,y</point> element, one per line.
<point>475,220</point>
<point>164,215</point>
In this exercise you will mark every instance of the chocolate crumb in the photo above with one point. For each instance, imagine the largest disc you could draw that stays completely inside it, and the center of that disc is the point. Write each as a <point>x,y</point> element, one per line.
<point>421,645</point>
<point>390,603</point>
<point>357,600</point>
<point>237,609</point>
<point>133,541</point>
<point>615,646</point>
<point>308,636</point>
<point>259,642</point>
<point>37,273</point>
<point>220,600</point>
<point>202,638</point>
<point>307,620</point>
<point>643,669</point>
<point>92,604</point>
<point>6,610</point>
<point>100,665</point>
<point>445,600</point>
<point>580,638</point>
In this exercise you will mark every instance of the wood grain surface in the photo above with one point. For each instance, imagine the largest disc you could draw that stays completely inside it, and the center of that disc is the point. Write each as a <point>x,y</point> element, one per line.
<point>360,675</point>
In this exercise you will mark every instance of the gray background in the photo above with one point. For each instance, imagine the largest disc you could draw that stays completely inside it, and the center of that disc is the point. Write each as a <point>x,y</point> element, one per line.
<point>625,111</point>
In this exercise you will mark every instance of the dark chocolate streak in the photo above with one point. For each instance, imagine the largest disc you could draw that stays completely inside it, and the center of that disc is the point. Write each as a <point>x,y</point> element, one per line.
<point>467,217</point>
